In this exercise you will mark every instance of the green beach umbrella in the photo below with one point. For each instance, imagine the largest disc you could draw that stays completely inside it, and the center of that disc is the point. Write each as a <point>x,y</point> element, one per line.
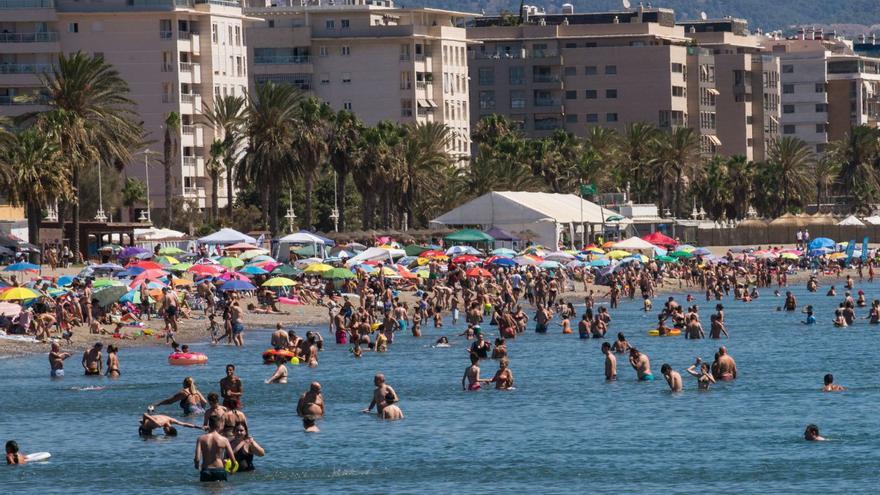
<point>231,262</point>
<point>287,270</point>
<point>105,282</point>
<point>338,274</point>
<point>109,295</point>
<point>681,254</point>
<point>666,259</point>
<point>171,251</point>
<point>180,267</point>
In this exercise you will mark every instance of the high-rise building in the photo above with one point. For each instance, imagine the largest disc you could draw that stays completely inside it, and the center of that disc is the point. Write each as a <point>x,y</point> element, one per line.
<point>176,55</point>
<point>369,57</point>
<point>854,88</point>
<point>576,70</point>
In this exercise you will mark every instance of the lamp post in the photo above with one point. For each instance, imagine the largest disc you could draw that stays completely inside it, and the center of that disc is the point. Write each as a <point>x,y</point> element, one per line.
<point>146,216</point>
<point>290,216</point>
<point>334,214</point>
<point>100,216</point>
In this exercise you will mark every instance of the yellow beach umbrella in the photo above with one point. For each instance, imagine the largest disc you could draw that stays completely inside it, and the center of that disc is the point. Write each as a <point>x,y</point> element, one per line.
<point>279,282</point>
<point>318,268</point>
<point>617,254</point>
<point>18,294</point>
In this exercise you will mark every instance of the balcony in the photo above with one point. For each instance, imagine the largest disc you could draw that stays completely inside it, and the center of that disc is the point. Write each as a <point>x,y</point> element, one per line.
<point>166,35</point>
<point>190,103</point>
<point>547,102</point>
<point>221,3</point>
<point>24,68</point>
<point>190,67</point>
<point>27,4</point>
<point>546,78</point>
<point>190,73</point>
<point>191,136</point>
<point>48,37</point>
<point>282,59</point>
<point>127,5</point>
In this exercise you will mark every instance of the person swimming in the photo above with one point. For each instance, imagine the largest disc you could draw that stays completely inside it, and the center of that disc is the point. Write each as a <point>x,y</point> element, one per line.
<point>811,434</point>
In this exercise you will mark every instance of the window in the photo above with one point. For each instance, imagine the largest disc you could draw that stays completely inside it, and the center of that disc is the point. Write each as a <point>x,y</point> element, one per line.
<point>325,78</point>
<point>330,24</point>
<point>73,27</point>
<point>821,128</point>
<point>592,117</point>
<point>590,70</point>
<point>571,118</point>
<point>229,34</point>
<point>344,23</point>
<point>789,129</point>
<point>610,70</point>
<point>323,51</point>
<point>237,35</point>
<point>611,93</point>
<point>238,67</point>
<point>590,94</point>
<point>821,107</point>
<point>787,108</point>
<point>517,99</point>
<point>677,68</point>
<point>346,105</point>
<point>820,148</point>
<point>571,95</point>
<point>165,29</point>
<point>405,80</point>
<point>679,91</point>
<point>346,77</point>
<point>406,108</point>
<point>571,45</point>
<point>750,120</point>
<point>271,23</point>
<point>517,75</point>
<point>570,71</point>
<point>610,117</point>
<point>487,100</point>
<point>487,76</point>
<point>787,69</point>
<point>787,89</point>
<point>820,87</point>
<point>345,50</point>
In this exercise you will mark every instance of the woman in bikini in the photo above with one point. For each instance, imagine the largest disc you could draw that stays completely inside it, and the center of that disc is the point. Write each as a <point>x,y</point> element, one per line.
<point>191,400</point>
<point>112,361</point>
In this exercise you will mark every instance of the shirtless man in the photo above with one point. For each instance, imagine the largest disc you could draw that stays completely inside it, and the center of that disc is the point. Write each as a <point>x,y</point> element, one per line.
<point>391,412</point>
<point>610,362</point>
<point>311,402</point>
<point>92,360</point>
<point>542,318</point>
<point>830,386</point>
<point>726,366</point>
<point>279,338</point>
<point>56,360</point>
<point>693,329</point>
<point>641,364</point>
<point>379,395</point>
<point>214,410</point>
<point>150,422</point>
<point>472,375</point>
<point>717,328</point>
<point>237,325</point>
<point>212,449</point>
<point>231,388</point>
<point>673,378</point>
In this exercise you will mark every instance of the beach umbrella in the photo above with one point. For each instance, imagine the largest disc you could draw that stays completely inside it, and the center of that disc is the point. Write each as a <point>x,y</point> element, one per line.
<point>171,250</point>
<point>477,272</point>
<point>253,270</point>
<point>423,273</point>
<point>287,270</point>
<point>432,253</point>
<point>549,265</point>
<point>109,295</point>
<point>601,262</point>
<point>106,282</point>
<point>681,254</point>
<point>261,258</point>
<point>338,274</point>
<point>132,251</point>
<point>558,256</point>
<point>789,256</point>
<point>303,263</point>
<point>769,255</point>
<point>617,254</point>
<point>166,260</point>
<point>22,267</point>
<point>505,252</point>
<point>279,282</point>
<point>9,309</point>
<point>501,261</point>
<point>525,261</point>
<point>229,262</point>
<point>833,256</point>
<point>701,251</point>
<point>253,253</point>
<point>233,285</point>
<point>685,247</point>
<point>65,280</point>
<point>366,268</point>
<point>151,274</point>
<point>180,267</point>
<point>821,242</point>
<point>146,265</point>
<point>205,270</point>
<point>18,294</point>
<point>466,258</point>
<point>593,250</point>
<point>819,251</point>
<point>133,296</point>
<point>110,267</point>
<point>110,248</point>
<point>387,272</point>
<point>318,268</point>
<point>458,250</point>
<point>666,259</point>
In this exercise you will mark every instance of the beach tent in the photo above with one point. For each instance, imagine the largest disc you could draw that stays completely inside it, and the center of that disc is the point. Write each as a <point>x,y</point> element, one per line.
<point>302,239</point>
<point>502,235</point>
<point>156,234</point>
<point>225,237</point>
<point>851,220</point>
<point>468,235</point>
<point>872,220</point>
<point>635,245</point>
<point>822,242</point>
<point>376,254</point>
<point>545,214</point>
<point>660,239</point>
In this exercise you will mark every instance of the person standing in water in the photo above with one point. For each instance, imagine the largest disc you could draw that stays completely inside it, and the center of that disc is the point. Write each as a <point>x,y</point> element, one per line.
<point>311,402</point>
<point>92,360</point>
<point>610,362</point>
<point>503,378</point>
<point>704,376</point>
<point>726,366</point>
<point>56,361</point>
<point>112,361</point>
<point>380,395</point>
<point>830,386</point>
<point>673,378</point>
<point>280,375</point>
<point>472,375</point>
<point>212,449</point>
<point>641,364</point>
<point>191,400</point>
<point>231,389</point>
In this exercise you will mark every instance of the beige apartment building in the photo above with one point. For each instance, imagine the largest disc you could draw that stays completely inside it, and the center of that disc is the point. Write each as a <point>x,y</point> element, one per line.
<point>369,57</point>
<point>176,55</point>
<point>573,71</point>
<point>854,88</point>
<point>734,89</point>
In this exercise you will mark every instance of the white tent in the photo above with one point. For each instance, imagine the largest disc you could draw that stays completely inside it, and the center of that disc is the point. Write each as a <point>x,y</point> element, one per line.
<point>226,236</point>
<point>872,220</point>
<point>545,214</point>
<point>376,254</point>
<point>156,234</point>
<point>635,244</point>
<point>851,220</point>
<point>299,239</point>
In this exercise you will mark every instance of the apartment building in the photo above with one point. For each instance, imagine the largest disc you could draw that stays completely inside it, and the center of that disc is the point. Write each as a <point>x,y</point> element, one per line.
<point>734,88</point>
<point>176,55</point>
<point>576,70</point>
<point>854,88</point>
<point>369,57</point>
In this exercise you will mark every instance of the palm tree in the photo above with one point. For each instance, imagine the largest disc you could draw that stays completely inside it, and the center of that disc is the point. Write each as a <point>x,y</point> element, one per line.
<point>33,174</point>
<point>273,110</point>
<point>741,177</point>
<point>310,146</point>
<point>787,174</point>
<point>857,156</point>
<point>228,116</point>
<point>603,150</point>
<point>424,158</point>
<point>214,167</point>
<point>133,192</point>
<point>344,144</point>
<point>679,154</point>
<point>492,129</point>
<point>382,154</point>
<point>169,152</point>
<point>825,173</point>
<point>91,116</point>
<point>637,157</point>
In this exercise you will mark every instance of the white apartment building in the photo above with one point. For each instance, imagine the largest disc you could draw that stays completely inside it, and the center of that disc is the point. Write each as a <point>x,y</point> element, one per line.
<point>369,57</point>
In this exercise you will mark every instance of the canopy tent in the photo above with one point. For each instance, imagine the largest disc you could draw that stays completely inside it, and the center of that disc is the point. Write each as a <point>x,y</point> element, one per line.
<point>376,254</point>
<point>635,245</point>
<point>545,214</point>
<point>851,220</point>
<point>301,238</point>
<point>872,220</point>
<point>156,234</point>
<point>468,235</point>
<point>226,236</point>
<point>660,239</point>
<point>502,236</point>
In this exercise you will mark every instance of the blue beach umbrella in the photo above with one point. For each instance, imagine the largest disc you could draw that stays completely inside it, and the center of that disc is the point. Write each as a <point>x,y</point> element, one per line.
<point>237,285</point>
<point>65,280</point>
<point>253,270</point>
<point>22,267</point>
<point>507,262</point>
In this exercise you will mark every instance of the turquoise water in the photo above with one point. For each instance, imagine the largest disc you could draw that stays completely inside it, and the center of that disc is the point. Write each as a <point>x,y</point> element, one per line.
<point>563,430</point>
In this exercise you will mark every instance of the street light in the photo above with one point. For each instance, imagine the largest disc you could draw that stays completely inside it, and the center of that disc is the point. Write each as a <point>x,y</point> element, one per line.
<point>100,216</point>
<point>334,215</point>
<point>290,216</point>
<point>146,216</point>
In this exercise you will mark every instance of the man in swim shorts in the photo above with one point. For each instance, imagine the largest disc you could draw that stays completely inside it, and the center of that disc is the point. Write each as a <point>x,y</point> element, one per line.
<point>92,360</point>
<point>280,339</point>
<point>56,360</point>
<point>610,362</point>
<point>231,388</point>
<point>380,394</point>
<point>212,449</point>
<point>673,378</point>
<point>641,364</point>
<point>726,366</point>
<point>311,402</point>
<point>237,326</point>
<point>542,318</point>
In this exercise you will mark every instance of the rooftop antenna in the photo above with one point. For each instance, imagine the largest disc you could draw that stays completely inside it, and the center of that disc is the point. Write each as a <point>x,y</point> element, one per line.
<point>626,4</point>
<point>703,15</point>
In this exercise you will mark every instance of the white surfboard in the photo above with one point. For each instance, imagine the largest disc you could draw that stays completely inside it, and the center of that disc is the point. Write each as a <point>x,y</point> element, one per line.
<point>37,456</point>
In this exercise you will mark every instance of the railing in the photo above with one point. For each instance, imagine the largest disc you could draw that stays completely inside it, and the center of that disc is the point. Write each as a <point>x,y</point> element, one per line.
<point>24,100</point>
<point>405,57</point>
<point>188,129</point>
<point>166,35</point>
<point>27,4</point>
<point>512,55</point>
<point>547,124</point>
<point>223,3</point>
<point>28,37</point>
<point>189,97</point>
<point>185,35</point>
<point>546,78</point>
<point>547,102</point>
<point>283,59</point>
<point>24,68</point>
<point>189,161</point>
<point>167,67</point>
<point>423,84</point>
<point>189,67</point>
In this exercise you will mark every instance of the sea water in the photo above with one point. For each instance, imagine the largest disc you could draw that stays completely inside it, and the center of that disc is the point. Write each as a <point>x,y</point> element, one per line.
<point>563,430</point>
